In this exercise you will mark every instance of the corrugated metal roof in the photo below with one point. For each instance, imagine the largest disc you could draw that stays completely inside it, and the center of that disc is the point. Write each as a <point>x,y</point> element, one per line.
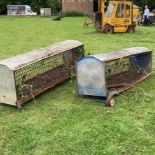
<point>24,59</point>
<point>121,53</point>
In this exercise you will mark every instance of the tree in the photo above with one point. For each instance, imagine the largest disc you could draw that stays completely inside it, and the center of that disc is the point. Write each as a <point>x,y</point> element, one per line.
<point>55,5</point>
<point>142,3</point>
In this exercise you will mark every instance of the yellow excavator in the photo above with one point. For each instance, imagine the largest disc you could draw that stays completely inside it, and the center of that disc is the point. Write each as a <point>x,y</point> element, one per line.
<point>118,16</point>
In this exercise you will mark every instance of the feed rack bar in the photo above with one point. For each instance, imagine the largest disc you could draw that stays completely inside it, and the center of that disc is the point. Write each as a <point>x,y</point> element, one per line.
<point>27,75</point>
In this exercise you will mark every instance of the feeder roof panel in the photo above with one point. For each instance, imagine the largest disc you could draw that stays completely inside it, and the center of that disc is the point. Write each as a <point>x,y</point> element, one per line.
<point>121,53</point>
<point>19,61</point>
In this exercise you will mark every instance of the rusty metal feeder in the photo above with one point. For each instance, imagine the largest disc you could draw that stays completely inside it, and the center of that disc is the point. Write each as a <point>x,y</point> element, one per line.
<point>105,75</point>
<point>25,76</point>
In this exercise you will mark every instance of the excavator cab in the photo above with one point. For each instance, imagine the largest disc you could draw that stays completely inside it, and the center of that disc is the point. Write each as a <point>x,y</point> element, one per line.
<point>118,17</point>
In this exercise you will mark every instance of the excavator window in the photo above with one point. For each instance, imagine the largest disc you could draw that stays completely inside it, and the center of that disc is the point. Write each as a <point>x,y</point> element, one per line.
<point>120,11</point>
<point>109,10</point>
<point>127,11</point>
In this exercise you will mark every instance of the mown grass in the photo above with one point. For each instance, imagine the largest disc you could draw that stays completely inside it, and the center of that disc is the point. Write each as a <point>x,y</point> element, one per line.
<point>60,122</point>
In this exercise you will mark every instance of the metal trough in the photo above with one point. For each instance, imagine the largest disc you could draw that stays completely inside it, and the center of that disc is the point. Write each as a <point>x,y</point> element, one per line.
<point>24,76</point>
<point>105,75</point>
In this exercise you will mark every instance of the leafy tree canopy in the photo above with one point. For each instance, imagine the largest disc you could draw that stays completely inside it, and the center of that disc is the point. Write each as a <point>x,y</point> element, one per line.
<point>56,4</point>
<point>35,4</point>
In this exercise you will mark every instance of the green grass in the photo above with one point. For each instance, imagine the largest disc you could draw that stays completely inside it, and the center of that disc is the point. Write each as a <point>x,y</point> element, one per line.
<point>62,123</point>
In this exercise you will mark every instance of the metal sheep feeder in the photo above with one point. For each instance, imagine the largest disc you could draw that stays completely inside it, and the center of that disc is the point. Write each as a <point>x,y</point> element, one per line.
<point>24,76</point>
<point>105,75</point>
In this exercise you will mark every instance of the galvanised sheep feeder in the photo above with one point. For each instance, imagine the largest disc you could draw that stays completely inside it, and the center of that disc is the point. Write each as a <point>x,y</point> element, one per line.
<point>25,76</point>
<point>105,75</point>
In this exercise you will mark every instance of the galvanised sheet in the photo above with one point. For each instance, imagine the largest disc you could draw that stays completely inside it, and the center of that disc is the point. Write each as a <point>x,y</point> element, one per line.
<point>22,60</point>
<point>120,54</point>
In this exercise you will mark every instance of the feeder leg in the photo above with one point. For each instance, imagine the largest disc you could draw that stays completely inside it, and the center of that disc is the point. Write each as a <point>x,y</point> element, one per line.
<point>110,101</point>
<point>19,106</point>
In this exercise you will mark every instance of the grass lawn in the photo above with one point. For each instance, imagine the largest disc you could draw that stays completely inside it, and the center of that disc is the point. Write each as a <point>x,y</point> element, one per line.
<point>62,123</point>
